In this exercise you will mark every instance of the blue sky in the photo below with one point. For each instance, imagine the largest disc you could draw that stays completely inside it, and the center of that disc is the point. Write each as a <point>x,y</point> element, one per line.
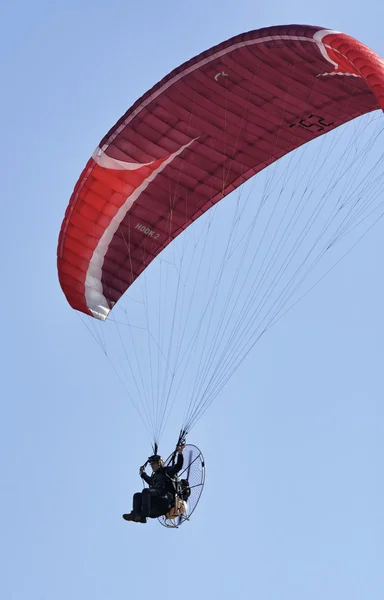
<point>294,444</point>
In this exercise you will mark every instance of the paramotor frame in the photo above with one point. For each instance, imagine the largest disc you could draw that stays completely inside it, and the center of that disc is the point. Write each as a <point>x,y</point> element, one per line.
<point>194,473</point>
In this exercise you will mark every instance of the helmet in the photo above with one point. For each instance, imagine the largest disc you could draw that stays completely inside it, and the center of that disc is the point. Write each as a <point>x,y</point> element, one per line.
<point>155,458</point>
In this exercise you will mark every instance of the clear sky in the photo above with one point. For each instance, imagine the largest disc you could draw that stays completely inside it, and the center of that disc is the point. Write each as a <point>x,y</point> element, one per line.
<point>293,503</point>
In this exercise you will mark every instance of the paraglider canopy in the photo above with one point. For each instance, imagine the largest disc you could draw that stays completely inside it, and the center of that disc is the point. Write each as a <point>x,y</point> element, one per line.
<point>197,135</point>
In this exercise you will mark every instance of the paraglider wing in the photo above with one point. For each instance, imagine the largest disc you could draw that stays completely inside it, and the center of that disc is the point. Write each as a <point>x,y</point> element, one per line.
<point>196,136</point>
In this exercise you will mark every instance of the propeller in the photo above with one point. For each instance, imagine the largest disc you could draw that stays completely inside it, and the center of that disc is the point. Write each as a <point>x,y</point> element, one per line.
<point>190,454</point>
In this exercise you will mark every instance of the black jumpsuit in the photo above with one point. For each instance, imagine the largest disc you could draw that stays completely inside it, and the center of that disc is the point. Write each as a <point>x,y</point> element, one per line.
<point>159,497</point>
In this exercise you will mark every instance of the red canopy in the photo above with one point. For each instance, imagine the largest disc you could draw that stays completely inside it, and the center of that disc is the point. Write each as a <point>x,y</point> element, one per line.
<point>196,136</point>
